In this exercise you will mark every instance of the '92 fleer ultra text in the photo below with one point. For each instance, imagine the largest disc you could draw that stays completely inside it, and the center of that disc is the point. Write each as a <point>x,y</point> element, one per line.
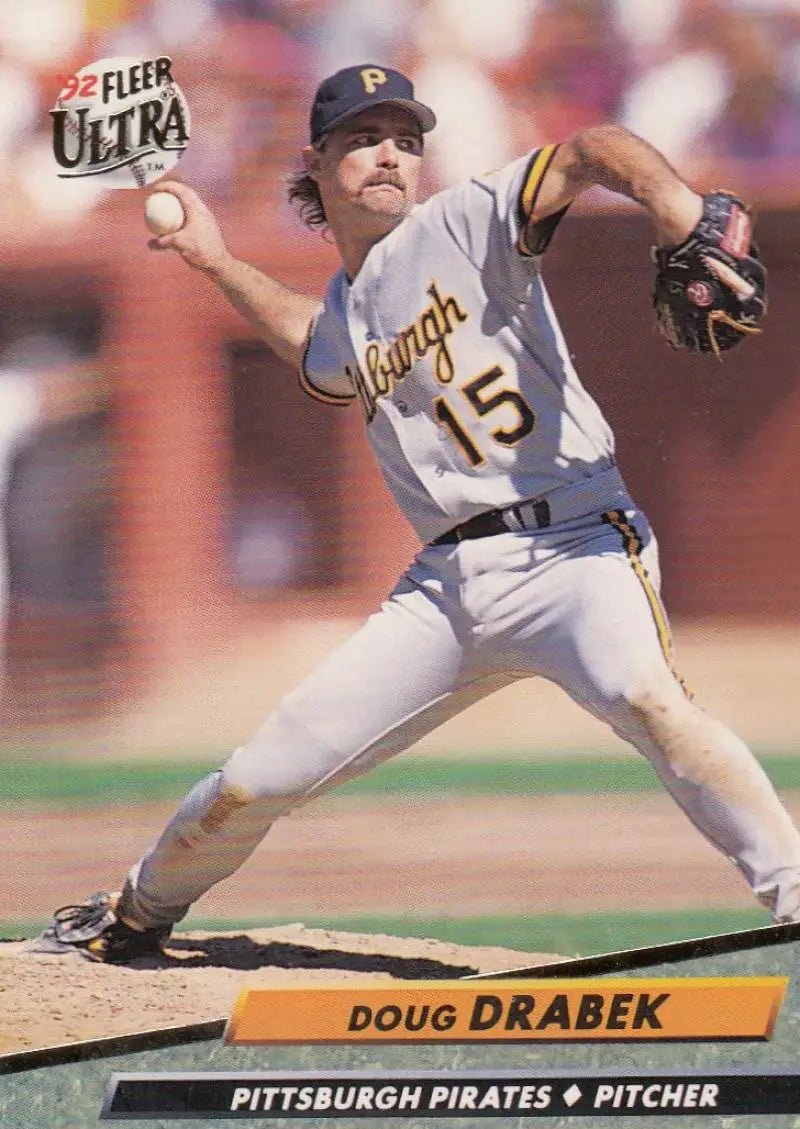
<point>125,119</point>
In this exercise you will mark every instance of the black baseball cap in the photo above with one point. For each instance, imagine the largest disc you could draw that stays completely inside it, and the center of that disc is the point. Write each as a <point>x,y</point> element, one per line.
<point>354,89</point>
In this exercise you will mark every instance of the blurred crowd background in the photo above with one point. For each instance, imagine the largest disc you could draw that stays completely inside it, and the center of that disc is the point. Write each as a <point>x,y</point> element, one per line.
<point>714,83</point>
<point>162,488</point>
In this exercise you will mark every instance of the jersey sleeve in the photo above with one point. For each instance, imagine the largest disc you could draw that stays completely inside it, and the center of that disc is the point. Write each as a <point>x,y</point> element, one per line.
<point>516,191</point>
<point>489,215</point>
<point>535,239</point>
<point>324,370</point>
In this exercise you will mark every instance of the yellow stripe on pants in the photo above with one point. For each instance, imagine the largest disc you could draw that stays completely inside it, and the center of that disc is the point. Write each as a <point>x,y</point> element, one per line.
<point>633,546</point>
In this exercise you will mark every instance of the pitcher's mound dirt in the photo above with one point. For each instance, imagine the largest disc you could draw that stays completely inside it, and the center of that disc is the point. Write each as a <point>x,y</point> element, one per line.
<point>48,1001</point>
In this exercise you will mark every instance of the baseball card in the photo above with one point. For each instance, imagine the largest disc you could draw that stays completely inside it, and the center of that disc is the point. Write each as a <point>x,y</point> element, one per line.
<point>399,607</point>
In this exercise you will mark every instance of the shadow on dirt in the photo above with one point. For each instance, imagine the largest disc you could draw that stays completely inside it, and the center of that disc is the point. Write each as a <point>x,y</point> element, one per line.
<point>242,952</point>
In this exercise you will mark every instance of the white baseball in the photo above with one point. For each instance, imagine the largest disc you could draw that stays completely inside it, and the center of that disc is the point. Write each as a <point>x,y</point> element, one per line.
<point>163,213</point>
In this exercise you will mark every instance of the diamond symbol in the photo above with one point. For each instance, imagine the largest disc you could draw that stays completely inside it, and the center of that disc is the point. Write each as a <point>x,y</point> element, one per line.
<point>572,1095</point>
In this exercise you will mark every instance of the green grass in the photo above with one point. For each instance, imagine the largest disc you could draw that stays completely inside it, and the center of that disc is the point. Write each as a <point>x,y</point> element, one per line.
<point>568,934</point>
<point>71,782</point>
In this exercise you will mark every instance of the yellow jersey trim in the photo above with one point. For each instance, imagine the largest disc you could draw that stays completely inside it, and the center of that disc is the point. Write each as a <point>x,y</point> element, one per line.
<point>338,400</point>
<point>530,191</point>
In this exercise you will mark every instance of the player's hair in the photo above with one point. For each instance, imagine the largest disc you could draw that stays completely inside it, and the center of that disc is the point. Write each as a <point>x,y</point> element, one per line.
<point>303,193</point>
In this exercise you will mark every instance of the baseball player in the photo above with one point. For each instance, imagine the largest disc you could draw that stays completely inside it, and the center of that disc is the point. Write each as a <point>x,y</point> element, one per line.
<point>534,561</point>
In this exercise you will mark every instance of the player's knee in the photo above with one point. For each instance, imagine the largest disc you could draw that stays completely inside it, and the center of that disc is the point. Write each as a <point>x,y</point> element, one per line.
<point>255,775</point>
<point>283,763</point>
<point>654,707</point>
<point>660,703</point>
<point>667,726</point>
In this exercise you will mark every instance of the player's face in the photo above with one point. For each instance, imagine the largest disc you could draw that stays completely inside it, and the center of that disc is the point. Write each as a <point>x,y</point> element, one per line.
<point>368,169</point>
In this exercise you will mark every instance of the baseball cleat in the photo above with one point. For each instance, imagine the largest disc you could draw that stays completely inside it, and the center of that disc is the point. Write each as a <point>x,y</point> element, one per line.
<point>94,931</point>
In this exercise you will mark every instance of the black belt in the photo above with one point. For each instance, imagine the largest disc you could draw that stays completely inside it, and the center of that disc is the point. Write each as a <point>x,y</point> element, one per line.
<point>511,519</point>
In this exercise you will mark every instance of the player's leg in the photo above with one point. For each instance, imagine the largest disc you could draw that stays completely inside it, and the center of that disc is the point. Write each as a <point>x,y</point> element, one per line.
<point>609,646</point>
<point>401,675</point>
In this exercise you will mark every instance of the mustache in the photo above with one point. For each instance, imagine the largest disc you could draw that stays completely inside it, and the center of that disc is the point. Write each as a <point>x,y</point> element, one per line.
<point>386,176</point>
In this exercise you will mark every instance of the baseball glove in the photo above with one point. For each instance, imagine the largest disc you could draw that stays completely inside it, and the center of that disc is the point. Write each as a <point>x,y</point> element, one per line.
<point>711,290</point>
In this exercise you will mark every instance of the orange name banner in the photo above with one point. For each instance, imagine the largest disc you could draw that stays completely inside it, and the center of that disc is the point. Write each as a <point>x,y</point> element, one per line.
<point>512,1011</point>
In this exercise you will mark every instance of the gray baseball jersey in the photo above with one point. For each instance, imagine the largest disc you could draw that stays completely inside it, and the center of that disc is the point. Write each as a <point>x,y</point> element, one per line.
<point>448,339</point>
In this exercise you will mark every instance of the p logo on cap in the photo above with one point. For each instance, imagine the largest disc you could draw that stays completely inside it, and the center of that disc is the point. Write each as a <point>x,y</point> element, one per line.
<point>363,87</point>
<point>373,77</point>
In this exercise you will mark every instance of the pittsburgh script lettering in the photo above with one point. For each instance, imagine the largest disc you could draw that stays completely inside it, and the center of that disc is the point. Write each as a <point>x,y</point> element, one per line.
<point>387,365</point>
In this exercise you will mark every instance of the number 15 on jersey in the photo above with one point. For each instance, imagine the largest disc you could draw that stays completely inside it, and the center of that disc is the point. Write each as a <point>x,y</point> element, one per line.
<point>483,397</point>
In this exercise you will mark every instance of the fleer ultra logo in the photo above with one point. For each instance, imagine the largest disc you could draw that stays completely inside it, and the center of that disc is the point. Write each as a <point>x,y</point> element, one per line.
<point>123,119</point>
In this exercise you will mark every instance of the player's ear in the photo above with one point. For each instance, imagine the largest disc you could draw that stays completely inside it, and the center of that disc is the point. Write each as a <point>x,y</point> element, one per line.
<point>312,159</point>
